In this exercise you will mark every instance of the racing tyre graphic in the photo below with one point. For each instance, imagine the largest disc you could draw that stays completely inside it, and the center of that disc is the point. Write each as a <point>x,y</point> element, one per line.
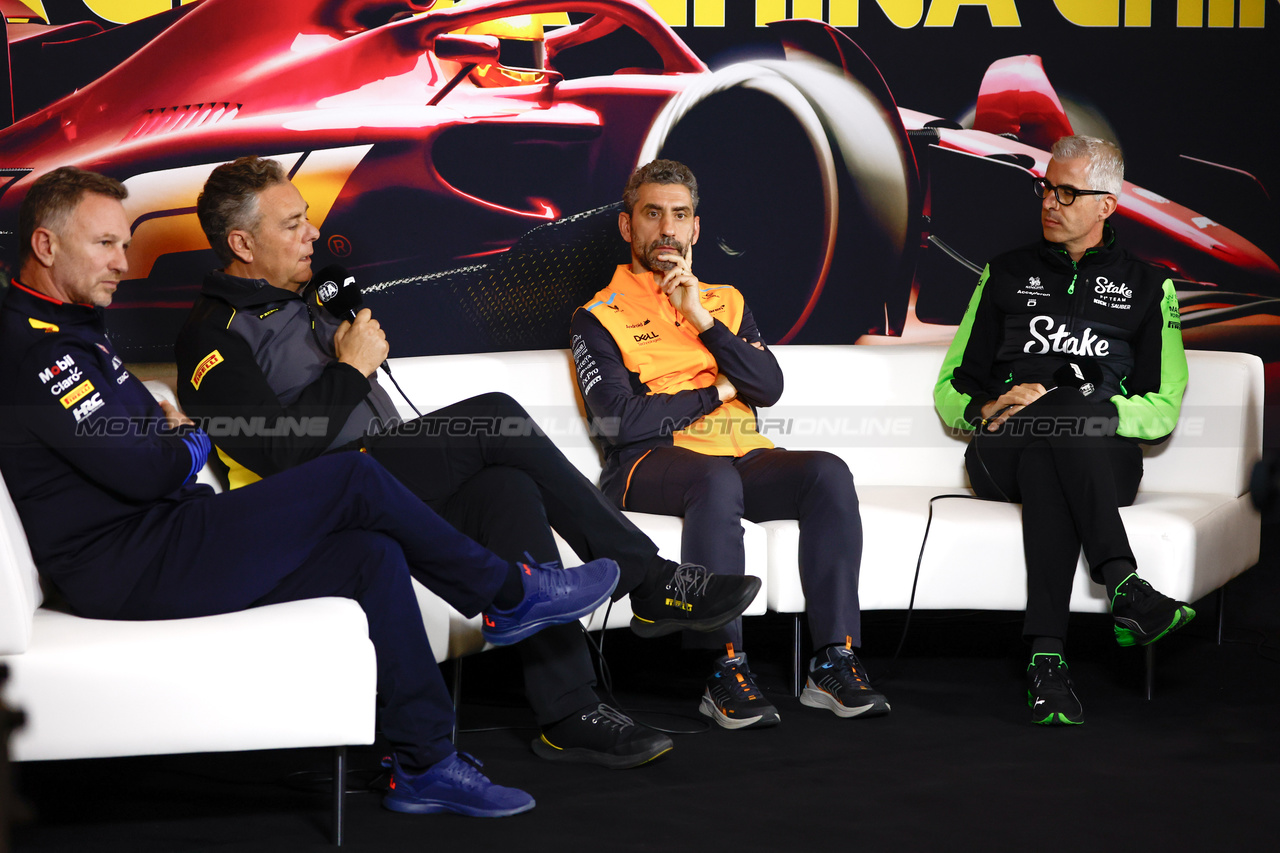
<point>804,194</point>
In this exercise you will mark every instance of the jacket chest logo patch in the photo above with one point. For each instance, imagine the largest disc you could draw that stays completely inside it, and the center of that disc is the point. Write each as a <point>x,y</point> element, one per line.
<point>1108,294</point>
<point>646,337</point>
<point>268,313</point>
<point>206,364</point>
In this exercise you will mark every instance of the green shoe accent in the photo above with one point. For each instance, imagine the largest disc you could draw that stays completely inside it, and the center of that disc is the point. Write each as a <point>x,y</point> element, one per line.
<point>1119,593</point>
<point>1184,614</point>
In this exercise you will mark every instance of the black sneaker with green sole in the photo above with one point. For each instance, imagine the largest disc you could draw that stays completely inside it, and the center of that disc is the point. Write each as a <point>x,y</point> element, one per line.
<point>1143,615</point>
<point>1050,693</point>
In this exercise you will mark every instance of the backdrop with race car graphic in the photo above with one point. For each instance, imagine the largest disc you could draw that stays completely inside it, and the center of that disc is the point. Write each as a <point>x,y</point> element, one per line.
<point>859,159</point>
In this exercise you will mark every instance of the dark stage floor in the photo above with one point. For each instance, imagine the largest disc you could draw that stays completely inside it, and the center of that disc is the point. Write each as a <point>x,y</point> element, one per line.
<point>956,766</point>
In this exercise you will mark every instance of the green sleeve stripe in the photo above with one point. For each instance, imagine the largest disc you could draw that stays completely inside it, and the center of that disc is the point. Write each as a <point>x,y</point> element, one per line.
<point>949,402</point>
<point>1154,415</point>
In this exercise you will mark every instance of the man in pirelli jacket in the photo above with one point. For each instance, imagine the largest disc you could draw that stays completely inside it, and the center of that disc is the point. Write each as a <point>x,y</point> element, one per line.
<point>257,348</point>
<point>671,370</point>
<point>104,480</point>
<point>1068,358</point>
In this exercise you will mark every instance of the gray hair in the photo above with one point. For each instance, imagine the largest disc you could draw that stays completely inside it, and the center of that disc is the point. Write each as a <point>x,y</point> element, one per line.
<point>229,200</point>
<point>1106,163</point>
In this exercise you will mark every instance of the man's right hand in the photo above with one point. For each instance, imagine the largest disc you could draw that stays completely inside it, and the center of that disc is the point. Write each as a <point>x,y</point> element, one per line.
<point>725,388</point>
<point>1010,403</point>
<point>361,343</point>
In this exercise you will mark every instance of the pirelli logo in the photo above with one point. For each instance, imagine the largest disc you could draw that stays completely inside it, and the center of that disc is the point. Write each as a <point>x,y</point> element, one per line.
<point>209,362</point>
<point>76,394</point>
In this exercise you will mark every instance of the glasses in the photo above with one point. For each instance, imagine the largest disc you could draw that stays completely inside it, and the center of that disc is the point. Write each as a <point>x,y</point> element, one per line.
<point>1064,195</point>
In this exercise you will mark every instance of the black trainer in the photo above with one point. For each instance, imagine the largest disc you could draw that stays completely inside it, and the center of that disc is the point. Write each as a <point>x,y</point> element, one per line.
<point>732,698</point>
<point>601,735</point>
<point>692,598</point>
<point>1144,615</point>
<point>1051,694</point>
<point>838,682</point>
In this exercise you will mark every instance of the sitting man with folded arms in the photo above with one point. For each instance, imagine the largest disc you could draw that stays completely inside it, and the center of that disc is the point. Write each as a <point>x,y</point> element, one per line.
<point>104,480</point>
<point>683,394</point>
<point>1068,358</point>
<point>258,346</point>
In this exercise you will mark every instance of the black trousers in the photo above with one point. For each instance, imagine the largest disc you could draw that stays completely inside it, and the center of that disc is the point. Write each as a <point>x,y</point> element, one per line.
<point>1061,459</point>
<point>714,494</point>
<point>486,467</point>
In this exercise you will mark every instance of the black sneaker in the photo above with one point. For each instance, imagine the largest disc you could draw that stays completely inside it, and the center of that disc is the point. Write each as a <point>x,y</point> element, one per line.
<point>1051,694</point>
<point>601,735</point>
<point>692,598</point>
<point>732,698</point>
<point>838,683</point>
<point>1144,615</point>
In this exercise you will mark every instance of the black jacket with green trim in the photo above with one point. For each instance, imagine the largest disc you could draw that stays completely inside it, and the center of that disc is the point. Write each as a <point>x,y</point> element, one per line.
<point>1035,310</point>
<point>256,366</point>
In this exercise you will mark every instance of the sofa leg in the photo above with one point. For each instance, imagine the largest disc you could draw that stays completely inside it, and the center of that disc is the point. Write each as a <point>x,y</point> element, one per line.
<point>339,792</point>
<point>1222,609</point>
<point>457,697</point>
<point>796,673</point>
<point>1150,674</point>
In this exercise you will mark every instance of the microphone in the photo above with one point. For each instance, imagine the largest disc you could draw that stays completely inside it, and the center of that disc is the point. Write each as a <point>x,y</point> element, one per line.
<point>336,291</point>
<point>1083,375</point>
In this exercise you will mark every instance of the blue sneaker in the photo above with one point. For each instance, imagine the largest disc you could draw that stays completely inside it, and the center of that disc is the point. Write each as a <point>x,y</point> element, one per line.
<point>552,596</point>
<point>452,785</point>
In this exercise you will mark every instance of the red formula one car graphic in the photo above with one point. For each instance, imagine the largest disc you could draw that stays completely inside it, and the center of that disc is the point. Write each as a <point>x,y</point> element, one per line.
<point>465,162</point>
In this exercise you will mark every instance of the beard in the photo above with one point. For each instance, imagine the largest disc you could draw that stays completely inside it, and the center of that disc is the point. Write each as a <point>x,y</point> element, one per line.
<point>648,255</point>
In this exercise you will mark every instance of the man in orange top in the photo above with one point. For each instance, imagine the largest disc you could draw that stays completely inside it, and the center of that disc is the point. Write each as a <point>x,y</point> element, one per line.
<point>672,370</point>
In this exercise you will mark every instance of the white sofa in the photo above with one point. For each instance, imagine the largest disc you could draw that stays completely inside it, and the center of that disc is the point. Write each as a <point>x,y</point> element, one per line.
<point>300,674</point>
<point>1192,527</point>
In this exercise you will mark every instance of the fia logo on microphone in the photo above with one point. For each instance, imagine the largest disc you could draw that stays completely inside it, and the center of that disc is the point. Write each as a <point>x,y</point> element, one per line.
<point>327,290</point>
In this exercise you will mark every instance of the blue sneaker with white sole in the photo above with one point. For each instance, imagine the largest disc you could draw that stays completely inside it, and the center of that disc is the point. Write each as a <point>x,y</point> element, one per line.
<point>552,596</point>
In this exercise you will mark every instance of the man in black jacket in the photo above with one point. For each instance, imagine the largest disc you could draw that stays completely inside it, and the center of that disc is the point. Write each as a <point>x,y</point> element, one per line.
<point>105,483</point>
<point>257,349</point>
<point>671,370</point>
<point>1069,356</point>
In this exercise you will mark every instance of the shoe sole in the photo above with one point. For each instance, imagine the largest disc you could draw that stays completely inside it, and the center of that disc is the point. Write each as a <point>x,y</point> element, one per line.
<point>440,807</point>
<point>1128,632</point>
<point>657,628</point>
<point>576,755</point>
<point>528,629</point>
<point>708,709</point>
<point>816,697</point>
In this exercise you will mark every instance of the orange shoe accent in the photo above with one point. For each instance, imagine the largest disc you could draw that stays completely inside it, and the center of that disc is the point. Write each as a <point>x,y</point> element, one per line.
<point>528,571</point>
<point>489,622</point>
<point>848,642</point>
<point>729,646</point>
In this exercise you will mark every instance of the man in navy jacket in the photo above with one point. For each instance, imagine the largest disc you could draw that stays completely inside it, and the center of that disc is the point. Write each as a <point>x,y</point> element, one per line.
<point>105,483</point>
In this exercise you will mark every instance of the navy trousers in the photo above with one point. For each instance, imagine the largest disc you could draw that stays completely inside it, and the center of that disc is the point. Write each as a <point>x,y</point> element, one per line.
<point>714,494</point>
<point>339,525</point>
<point>488,469</point>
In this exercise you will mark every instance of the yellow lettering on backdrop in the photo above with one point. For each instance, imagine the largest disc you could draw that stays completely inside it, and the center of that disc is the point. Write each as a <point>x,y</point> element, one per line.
<point>1137,13</point>
<point>1251,14</point>
<point>1003,13</point>
<point>1222,13</point>
<point>903,14</point>
<point>806,9</point>
<point>770,10</point>
<point>710,13</point>
<point>1191,13</point>
<point>1090,13</point>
